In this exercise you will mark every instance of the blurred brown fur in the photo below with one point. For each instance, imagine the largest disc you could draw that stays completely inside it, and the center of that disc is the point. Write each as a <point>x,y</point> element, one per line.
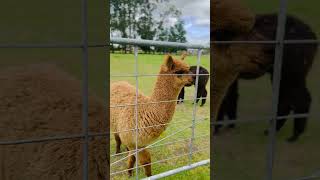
<point>40,101</point>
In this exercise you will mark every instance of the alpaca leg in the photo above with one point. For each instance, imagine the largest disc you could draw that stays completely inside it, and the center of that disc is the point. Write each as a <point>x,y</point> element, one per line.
<point>145,161</point>
<point>118,143</point>
<point>181,96</point>
<point>131,161</point>
<point>302,106</point>
<point>220,118</point>
<point>204,96</point>
<point>283,110</point>
<point>285,100</point>
<point>232,106</point>
<point>232,112</point>
<point>198,96</point>
<point>230,98</point>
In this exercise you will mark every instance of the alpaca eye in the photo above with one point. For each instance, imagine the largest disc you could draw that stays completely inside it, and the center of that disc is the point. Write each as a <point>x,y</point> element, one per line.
<point>179,72</point>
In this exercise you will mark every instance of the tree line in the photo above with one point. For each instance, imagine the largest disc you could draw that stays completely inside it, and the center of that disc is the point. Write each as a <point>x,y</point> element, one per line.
<point>146,19</point>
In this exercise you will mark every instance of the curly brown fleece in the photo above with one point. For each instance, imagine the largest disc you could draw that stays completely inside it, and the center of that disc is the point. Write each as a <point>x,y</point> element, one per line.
<point>156,115</point>
<point>41,101</point>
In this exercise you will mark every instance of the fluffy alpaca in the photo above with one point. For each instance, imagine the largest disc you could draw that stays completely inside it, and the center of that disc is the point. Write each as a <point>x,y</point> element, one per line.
<point>252,61</point>
<point>155,115</point>
<point>202,82</point>
<point>42,101</point>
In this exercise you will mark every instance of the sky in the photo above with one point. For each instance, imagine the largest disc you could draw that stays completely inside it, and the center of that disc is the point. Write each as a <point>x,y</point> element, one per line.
<point>196,15</point>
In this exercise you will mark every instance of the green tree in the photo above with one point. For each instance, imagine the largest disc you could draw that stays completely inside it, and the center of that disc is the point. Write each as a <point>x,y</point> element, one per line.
<point>163,35</point>
<point>177,34</point>
<point>180,32</point>
<point>123,17</point>
<point>146,24</point>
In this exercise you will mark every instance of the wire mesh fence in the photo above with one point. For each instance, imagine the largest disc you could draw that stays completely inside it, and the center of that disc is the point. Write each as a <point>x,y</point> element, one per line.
<point>182,128</point>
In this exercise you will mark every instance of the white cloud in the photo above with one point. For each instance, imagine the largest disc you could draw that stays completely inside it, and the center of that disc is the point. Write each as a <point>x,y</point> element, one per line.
<point>202,22</point>
<point>188,25</point>
<point>172,21</point>
<point>196,14</point>
<point>199,9</point>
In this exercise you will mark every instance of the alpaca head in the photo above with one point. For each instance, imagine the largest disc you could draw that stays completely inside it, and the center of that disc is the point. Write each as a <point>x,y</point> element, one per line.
<point>183,75</point>
<point>233,21</point>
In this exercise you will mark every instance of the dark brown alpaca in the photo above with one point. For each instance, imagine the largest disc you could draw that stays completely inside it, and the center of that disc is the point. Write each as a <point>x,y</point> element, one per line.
<point>202,83</point>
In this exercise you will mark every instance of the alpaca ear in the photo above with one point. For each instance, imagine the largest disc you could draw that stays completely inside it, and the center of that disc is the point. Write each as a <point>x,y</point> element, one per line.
<point>184,55</point>
<point>168,61</point>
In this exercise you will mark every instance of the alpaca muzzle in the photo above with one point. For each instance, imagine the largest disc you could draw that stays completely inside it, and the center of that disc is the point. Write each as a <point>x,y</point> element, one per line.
<point>257,69</point>
<point>191,79</point>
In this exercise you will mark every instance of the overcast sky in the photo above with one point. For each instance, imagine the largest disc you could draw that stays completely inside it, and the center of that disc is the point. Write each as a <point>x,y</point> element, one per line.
<point>196,15</point>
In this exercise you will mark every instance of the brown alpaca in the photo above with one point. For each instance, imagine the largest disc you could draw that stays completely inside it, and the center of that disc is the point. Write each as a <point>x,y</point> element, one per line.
<point>229,63</point>
<point>232,59</point>
<point>123,118</point>
<point>42,101</point>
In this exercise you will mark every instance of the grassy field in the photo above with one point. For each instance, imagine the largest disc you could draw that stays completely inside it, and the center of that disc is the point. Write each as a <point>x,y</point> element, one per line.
<point>241,153</point>
<point>150,64</point>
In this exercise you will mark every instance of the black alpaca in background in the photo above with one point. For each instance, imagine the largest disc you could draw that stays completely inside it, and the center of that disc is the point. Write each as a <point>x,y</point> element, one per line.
<point>297,61</point>
<point>202,82</point>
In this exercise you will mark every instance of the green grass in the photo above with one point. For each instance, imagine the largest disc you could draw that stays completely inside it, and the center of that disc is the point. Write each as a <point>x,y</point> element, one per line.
<point>150,64</point>
<point>241,153</point>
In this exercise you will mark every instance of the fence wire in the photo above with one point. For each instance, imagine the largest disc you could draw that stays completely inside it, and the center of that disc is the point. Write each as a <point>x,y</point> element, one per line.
<point>315,175</point>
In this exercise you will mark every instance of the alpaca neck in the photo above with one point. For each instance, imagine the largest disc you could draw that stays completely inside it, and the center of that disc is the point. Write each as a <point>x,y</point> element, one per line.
<point>165,90</point>
<point>225,75</point>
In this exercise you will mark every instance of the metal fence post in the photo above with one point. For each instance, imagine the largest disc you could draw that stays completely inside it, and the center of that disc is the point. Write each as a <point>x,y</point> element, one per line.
<point>85,89</point>
<point>136,108</point>
<point>194,112</point>
<point>276,85</point>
